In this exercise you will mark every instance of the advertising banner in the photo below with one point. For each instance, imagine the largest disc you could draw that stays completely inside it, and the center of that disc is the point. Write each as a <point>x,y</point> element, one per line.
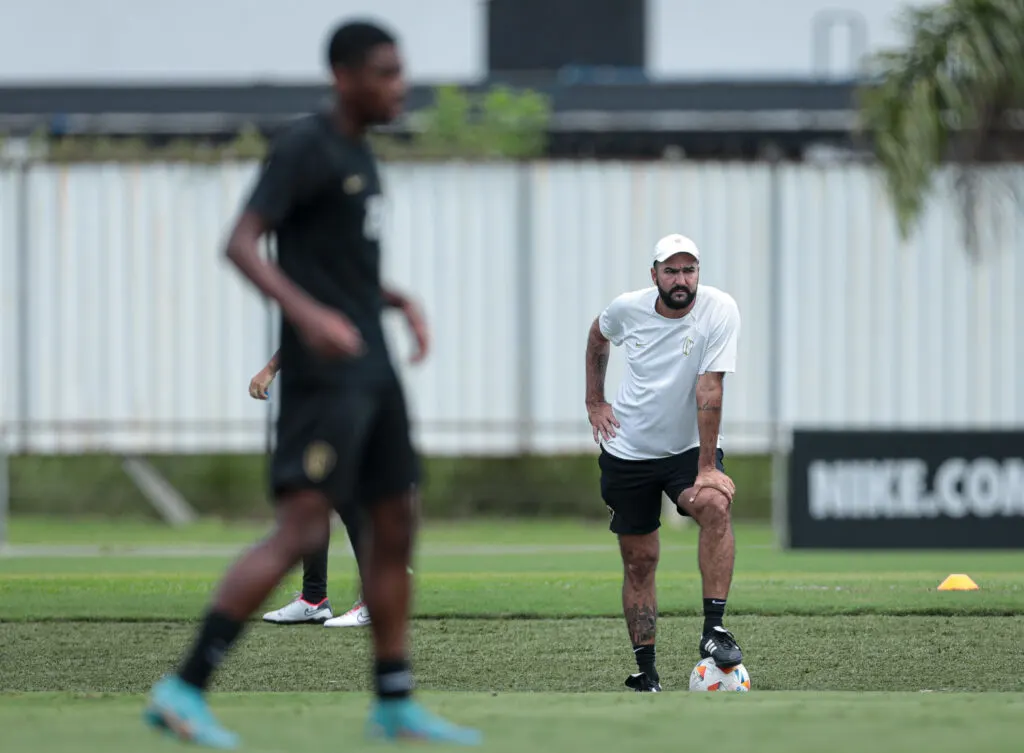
<point>906,490</point>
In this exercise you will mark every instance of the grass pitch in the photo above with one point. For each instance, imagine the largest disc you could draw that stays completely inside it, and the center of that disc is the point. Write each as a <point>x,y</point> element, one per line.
<point>518,630</point>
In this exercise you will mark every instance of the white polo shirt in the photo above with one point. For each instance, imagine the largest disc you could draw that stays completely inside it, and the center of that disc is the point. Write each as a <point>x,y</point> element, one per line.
<point>656,405</point>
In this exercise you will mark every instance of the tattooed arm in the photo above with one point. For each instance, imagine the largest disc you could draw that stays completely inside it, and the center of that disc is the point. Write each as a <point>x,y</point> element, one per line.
<point>709,416</point>
<point>274,364</point>
<point>599,412</point>
<point>598,349</point>
<point>260,383</point>
<point>718,359</point>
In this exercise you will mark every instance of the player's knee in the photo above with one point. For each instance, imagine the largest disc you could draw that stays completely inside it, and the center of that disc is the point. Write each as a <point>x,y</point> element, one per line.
<point>641,565</point>
<point>711,509</point>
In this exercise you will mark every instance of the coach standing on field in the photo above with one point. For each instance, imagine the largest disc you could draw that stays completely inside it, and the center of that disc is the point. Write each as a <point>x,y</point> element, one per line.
<point>661,434</point>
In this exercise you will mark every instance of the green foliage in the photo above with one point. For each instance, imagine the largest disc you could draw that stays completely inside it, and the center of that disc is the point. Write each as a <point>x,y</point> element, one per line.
<point>235,486</point>
<point>500,124</point>
<point>515,125</point>
<point>944,96</point>
<point>249,144</point>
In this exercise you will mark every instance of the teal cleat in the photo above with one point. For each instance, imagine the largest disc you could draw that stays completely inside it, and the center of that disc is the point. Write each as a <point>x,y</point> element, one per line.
<point>406,719</point>
<point>180,709</point>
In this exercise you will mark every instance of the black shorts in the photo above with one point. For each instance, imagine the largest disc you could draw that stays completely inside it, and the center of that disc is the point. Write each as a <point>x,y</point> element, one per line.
<point>632,489</point>
<point>351,443</point>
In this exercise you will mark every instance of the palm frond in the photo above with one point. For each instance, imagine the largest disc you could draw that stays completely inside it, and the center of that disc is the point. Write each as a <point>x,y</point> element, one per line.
<point>944,96</point>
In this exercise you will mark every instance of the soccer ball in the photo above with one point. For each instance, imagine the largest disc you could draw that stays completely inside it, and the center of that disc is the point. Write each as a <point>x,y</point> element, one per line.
<point>707,676</point>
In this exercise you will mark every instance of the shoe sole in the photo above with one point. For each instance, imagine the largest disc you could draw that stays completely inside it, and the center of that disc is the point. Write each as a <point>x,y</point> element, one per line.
<point>723,666</point>
<point>168,724</point>
<point>640,690</point>
<point>171,726</point>
<point>317,621</point>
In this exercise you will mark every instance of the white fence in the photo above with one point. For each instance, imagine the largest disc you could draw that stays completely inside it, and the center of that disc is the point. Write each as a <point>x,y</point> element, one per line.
<point>123,329</point>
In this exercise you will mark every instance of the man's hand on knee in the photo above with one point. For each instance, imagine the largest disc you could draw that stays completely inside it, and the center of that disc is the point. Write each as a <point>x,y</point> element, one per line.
<point>707,506</point>
<point>714,479</point>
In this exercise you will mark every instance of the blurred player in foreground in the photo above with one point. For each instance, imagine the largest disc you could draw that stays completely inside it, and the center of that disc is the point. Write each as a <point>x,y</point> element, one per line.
<point>312,604</point>
<point>661,434</point>
<point>343,435</point>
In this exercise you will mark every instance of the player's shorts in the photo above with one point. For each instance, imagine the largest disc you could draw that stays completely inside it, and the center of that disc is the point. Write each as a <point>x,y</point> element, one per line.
<point>632,489</point>
<point>351,443</point>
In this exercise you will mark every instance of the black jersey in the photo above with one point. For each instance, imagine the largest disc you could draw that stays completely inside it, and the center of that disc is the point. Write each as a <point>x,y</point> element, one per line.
<point>320,193</point>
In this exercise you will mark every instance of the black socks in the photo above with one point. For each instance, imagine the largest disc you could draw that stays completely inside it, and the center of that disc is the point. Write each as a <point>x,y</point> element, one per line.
<point>714,611</point>
<point>314,576</point>
<point>645,661</point>
<point>216,636</point>
<point>314,566</point>
<point>393,679</point>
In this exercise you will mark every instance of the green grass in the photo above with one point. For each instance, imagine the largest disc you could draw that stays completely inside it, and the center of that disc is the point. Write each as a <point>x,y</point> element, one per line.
<point>518,629</point>
<point>487,570</point>
<point>783,653</point>
<point>766,722</point>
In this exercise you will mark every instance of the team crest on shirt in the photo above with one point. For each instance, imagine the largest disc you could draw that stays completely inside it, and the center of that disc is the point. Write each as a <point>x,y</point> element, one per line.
<point>687,346</point>
<point>318,460</point>
<point>353,184</point>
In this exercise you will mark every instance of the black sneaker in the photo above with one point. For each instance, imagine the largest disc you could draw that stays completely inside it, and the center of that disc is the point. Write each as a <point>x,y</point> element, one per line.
<point>641,683</point>
<point>719,645</point>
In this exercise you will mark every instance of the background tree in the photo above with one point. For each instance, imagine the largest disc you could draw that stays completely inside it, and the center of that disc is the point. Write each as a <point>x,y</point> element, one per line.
<point>950,95</point>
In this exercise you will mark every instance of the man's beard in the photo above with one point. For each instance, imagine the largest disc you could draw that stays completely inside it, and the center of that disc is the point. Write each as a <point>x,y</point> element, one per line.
<point>676,302</point>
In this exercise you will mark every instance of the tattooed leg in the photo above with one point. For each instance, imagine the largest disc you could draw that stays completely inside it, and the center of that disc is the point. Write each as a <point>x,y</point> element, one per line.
<point>639,603</point>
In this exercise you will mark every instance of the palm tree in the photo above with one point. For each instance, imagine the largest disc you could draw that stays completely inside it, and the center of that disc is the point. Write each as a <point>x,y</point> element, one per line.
<point>948,96</point>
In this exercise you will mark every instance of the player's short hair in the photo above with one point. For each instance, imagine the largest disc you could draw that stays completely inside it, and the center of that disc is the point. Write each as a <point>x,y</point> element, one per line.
<point>352,42</point>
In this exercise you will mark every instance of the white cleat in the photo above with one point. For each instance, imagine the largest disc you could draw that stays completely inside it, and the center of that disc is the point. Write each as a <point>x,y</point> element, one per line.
<point>300,612</point>
<point>357,616</point>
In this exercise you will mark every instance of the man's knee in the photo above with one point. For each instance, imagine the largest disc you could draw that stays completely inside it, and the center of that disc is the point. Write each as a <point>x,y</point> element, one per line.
<point>710,508</point>
<point>640,559</point>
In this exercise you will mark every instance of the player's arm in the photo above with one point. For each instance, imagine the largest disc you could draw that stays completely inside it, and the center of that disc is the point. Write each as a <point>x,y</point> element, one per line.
<point>289,177</point>
<point>243,251</point>
<point>710,390</point>
<point>413,317</point>
<point>260,383</point>
<point>719,358</point>
<point>605,330</point>
<point>274,364</point>
<point>394,299</point>
<point>598,351</point>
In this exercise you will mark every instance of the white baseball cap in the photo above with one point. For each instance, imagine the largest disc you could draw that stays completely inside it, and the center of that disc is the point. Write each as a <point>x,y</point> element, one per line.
<point>674,244</point>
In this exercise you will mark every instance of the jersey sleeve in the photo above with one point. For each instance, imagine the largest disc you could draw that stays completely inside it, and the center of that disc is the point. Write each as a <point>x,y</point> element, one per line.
<point>289,177</point>
<point>612,321</point>
<point>723,341</point>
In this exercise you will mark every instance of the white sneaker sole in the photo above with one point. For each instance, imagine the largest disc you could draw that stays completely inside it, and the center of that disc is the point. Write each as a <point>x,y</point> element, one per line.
<point>311,621</point>
<point>358,618</point>
<point>297,615</point>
